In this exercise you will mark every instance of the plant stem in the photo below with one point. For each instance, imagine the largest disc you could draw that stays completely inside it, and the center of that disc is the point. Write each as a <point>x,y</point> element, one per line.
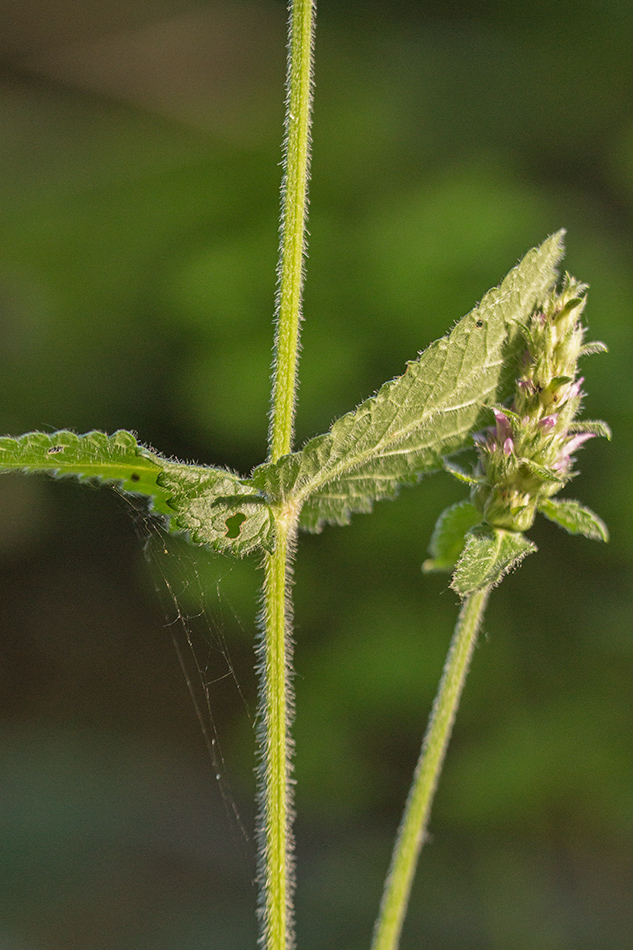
<point>293,224</point>
<point>427,772</point>
<point>276,843</point>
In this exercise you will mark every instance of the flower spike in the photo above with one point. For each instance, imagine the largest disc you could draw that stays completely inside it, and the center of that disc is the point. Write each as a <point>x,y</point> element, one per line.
<point>527,456</point>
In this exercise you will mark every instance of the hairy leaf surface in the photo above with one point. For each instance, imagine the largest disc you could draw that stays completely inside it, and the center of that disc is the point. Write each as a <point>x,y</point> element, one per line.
<point>199,500</point>
<point>110,459</point>
<point>574,517</point>
<point>217,508</point>
<point>413,421</point>
<point>488,555</point>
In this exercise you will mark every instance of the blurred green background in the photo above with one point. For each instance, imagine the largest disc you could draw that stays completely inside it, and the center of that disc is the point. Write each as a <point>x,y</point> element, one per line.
<point>140,145</point>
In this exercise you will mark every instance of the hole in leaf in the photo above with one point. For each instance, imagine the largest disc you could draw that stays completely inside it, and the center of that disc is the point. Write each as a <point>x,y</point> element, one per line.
<point>54,449</point>
<point>233,524</point>
<point>479,324</point>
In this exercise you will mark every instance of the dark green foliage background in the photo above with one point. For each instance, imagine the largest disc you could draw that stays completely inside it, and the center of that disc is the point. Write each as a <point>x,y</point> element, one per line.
<point>138,199</point>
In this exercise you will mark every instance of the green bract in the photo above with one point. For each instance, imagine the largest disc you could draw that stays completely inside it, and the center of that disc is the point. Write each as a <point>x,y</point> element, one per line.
<point>489,553</point>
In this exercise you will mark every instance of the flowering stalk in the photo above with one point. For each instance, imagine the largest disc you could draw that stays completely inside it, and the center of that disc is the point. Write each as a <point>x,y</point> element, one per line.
<point>410,837</point>
<point>523,460</point>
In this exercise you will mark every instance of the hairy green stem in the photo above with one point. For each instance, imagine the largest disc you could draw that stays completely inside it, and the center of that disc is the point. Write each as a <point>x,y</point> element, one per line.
<point>276,843</point>
<point>293,225</point>
<point>427,772</point>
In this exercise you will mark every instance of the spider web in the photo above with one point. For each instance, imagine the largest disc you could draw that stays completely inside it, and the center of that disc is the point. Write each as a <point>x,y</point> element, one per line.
<point>197,631</point>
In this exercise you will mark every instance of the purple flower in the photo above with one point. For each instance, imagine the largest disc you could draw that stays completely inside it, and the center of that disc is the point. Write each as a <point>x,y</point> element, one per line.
<point>574,389</point>
<point>504,429</point>
<point>484,439</point>
<point>562,463</point>
<point>577,440</point>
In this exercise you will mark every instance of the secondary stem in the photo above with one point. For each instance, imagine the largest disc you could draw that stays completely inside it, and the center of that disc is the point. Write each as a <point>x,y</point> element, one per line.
<point>418,807</point>
<point>276,851</point>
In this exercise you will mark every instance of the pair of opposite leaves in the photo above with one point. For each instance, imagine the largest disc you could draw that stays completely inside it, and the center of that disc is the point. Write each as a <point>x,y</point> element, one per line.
<point>403,432</point>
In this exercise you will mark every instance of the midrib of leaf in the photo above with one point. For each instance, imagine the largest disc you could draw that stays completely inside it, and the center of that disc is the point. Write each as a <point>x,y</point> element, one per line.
<point>115,459</point>
<point>389,445</point>
<point>346,466</point>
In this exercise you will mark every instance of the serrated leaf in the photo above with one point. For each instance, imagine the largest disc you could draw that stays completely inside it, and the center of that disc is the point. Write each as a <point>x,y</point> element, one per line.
<point>575,518</point>
<point>406,429</point>
<point>447,541</point>
<point>489,553</point>
<point>109,459</point>
<point>216,507</point>
<point>199,500</point>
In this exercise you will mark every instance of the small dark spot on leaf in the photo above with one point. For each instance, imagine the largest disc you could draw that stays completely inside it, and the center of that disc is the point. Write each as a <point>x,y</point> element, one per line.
<point>54,449</point>
<point>233,524</point>
<point>135,477</point>
<point>479,324</point>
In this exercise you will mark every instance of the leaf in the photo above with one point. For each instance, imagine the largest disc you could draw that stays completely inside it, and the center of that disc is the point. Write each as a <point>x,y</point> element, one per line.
<point>199,500</point>
<point>217,507</point>
<point>488,555</point>
<point>595,426</point>
<point>544,473</point>
<point>459,473</point>
<point>110,459</point>
<point>447,541</point>
<point>575,518</point>
<point>403,431</point>
<point>595,347</point>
